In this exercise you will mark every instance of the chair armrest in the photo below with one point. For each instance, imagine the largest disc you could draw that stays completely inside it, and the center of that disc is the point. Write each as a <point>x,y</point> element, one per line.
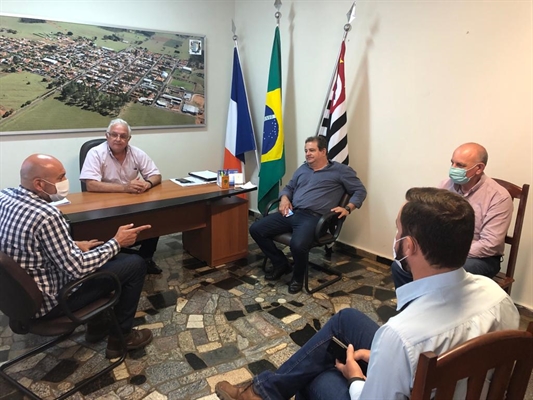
<point>67,290</point>
<point>269,206</point>
<point>323,224</point>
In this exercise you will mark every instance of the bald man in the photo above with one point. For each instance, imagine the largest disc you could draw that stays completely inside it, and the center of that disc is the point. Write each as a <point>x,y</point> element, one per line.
<point>35,234</point>
<point>493,207</point>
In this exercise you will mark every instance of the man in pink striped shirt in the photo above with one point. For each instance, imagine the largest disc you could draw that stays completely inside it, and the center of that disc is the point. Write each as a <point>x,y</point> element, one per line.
<point>492,205</point>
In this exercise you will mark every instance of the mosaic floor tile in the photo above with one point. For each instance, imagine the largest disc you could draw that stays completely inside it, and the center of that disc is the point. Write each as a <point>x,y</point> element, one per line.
<point>301,336</point>
<point>281,312</point>
<point>61,371</point>
<point>138,379</point>
<point>384,295</point>
<point>103,381</point>
<point>260,366</point>
<point>233,315</point>
<point>250,308</point>
<point>386,312</point>
<point>228,283</point>
<point>364,290</point>
<point>164,299</point>
<point>195,362</point>
<point>209,324</point>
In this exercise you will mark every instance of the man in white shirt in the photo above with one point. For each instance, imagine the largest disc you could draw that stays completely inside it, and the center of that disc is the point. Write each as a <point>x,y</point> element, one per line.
<point>114,166</point>
<point>443,307</point>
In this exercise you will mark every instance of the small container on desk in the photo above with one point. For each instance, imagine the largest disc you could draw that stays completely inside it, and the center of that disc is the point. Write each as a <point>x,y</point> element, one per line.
<point>223,178</point>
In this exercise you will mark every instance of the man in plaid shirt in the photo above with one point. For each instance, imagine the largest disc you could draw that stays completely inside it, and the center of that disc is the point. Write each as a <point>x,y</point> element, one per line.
<point>36,235</point>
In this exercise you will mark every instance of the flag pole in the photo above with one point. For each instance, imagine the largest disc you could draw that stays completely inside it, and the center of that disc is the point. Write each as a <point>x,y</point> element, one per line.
<point>236,43</point>
<point>347,28</point>
<point>278,5</point>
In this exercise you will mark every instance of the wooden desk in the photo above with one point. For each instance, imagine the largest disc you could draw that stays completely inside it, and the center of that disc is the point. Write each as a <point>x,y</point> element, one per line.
<point>214,222</point>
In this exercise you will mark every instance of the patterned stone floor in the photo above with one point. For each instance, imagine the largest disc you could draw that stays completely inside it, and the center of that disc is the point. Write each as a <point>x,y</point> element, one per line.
<point>209,324</point>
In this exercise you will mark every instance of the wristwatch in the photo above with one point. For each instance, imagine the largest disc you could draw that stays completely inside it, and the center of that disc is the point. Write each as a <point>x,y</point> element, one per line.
<point>150,182</point>
<point>347,208</point>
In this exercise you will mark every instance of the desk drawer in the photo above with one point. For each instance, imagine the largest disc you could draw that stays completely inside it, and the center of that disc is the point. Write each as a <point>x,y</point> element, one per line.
<point>164,221</point>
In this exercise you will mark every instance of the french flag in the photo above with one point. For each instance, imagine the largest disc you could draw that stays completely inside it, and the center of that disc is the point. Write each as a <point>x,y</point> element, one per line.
<point>240,136</point>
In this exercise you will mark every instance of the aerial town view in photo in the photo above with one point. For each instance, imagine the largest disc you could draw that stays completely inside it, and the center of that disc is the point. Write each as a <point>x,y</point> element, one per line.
<point>60,75</point>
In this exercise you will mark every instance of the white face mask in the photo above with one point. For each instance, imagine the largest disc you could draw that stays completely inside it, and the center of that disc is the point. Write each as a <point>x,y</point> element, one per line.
<point>61,190</point>
<point>398,262</point>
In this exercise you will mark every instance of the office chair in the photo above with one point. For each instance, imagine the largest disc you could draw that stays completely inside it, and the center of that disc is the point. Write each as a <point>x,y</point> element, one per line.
<point>508,353</point>
<point>506,279</point>
<point>84,149</point>
<point>327,231</point>
<point>20,299</point>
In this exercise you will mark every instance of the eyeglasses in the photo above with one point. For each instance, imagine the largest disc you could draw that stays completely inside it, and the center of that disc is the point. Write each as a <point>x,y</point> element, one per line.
<point>114,135</point>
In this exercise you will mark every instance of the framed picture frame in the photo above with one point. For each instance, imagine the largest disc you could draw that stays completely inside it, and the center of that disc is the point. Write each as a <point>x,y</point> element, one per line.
<point>64,77</point>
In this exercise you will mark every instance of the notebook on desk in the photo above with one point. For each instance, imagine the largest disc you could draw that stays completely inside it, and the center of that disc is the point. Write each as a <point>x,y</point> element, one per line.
<point>205,175</point>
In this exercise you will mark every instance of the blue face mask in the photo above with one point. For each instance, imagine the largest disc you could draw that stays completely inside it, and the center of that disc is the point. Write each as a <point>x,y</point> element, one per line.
<point>458,175</point>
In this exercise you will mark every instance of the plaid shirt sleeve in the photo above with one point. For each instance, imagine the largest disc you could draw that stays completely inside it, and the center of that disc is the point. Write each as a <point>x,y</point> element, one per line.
<point>65,255</point>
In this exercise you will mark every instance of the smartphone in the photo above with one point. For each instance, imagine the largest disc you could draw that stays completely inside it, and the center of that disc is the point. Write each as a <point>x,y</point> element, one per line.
<point>183,180</point>
<point>337,349</point>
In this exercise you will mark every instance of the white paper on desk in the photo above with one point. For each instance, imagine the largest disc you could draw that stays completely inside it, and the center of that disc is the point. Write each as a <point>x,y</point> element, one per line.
<point>192,181</point>
<point>247,185</point>
<point>60,202</point>
<point>205,175</point>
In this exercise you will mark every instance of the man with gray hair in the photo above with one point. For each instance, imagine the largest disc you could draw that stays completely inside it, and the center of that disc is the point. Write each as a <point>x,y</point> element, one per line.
<point>114,167</point>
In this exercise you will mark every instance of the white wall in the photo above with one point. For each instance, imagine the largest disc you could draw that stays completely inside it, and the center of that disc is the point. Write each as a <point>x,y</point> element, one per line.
<point>422,78</point>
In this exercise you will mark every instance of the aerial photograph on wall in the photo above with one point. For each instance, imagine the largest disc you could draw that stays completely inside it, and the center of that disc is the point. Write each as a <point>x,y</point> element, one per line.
<point>65,76</point>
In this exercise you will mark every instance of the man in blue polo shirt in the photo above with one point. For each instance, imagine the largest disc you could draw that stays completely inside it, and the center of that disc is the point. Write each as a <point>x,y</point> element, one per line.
<point>315,188</point>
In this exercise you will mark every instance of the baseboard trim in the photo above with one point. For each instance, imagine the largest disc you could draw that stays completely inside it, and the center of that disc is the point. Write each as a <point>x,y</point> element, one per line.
<point>354,251</point>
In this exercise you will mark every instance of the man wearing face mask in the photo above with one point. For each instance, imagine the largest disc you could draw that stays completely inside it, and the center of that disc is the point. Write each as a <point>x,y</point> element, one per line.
<point>114,167</point>
<point>36,235</point>
<point>443,307</point>
<point>493,207</point>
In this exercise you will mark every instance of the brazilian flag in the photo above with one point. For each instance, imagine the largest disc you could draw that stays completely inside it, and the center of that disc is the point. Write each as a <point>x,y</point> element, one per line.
<point>273,150</point>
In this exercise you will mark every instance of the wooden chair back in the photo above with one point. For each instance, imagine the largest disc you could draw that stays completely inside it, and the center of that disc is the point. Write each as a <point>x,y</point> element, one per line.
<point>509,354</point>
<point>506,279</point>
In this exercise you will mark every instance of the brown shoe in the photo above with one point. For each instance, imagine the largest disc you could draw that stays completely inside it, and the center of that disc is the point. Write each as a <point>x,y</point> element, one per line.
<point>243,391</point>
<point>136,339</point>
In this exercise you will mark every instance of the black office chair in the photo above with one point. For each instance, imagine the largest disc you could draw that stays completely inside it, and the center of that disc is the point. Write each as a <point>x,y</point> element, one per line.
<point>327,231</point>
<point>84,149</point>
<point>20,299</point>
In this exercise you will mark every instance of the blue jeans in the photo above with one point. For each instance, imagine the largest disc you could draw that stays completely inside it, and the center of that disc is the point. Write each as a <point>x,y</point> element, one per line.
<point>131,270</point>
<point>302,224</point>
<point>310,373</point>
<point>488,266</point>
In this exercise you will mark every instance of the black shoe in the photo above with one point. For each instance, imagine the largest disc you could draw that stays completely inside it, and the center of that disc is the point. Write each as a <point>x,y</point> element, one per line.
<point>295,287</point>
<point>277,272</point>
<point>152,267</point>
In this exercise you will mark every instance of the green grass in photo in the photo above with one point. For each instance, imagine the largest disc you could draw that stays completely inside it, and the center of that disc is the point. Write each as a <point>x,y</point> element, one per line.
<point>17,88</point>
<point>52,114</point>
<point>178,83</point>
<point>141,115</point>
